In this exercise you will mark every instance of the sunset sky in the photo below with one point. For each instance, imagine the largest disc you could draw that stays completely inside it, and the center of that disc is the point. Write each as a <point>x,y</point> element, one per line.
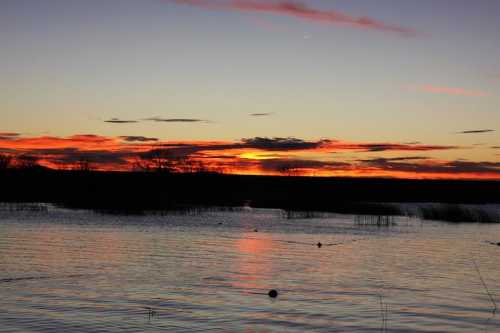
<point>330,87</point>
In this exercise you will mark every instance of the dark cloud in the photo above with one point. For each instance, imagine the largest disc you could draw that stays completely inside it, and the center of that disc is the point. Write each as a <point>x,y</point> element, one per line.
<point>261,114</point>
<point>101,157</point>
<point>393,159</point>
<point>132,138</point>
<point>295,144</point>
<point>379,147</point>
<point>164,153</point>
<point>73,155</point>
<point>451,167</point>
<point>175,120</point>
<point>54,151</point>
<point>282,144</point>
<point>281,165</point>
<point>262,143</point>
<point>217,157</point>
<point>8,135</point>
<point>120,121</point>
<point>476,131</point>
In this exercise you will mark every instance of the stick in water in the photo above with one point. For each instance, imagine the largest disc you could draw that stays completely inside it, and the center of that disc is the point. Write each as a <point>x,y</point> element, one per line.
<point>485,286</point>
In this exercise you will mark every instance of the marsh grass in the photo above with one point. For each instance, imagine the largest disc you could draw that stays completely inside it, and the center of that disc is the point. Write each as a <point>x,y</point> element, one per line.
<point>384,314</point>
<point>24,207</point>
<point>351,208</point>
<point>458,213</point>
<point>174,210</point>
<point>377,221</point>
<point>293,214</point>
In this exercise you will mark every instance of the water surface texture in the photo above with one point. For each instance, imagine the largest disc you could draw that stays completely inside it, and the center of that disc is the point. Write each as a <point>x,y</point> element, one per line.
<point>78,271</point>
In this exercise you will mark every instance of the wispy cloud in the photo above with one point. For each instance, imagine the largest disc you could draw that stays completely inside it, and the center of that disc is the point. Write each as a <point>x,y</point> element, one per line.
<point>175,120</point>
<point>380,147</point>
<point>454,91</point>
<point>261,114</point>
<point>133,138</point>
<point>156,119</point>
<point>479,131</point>
<point>302,12</point>
<point>283,144</point>
<point>120,121</point>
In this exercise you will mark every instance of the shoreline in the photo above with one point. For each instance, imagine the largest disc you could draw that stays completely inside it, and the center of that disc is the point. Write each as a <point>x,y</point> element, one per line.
<point>139,191</point>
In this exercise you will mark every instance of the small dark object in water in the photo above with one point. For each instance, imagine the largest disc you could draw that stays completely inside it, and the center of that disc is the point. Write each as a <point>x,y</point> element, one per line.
<point>151,313</point>
<point>255,230</point>
<point>498,243</point>
<point>319,245</point>
<point>220,223</point>
<point>273,293</point>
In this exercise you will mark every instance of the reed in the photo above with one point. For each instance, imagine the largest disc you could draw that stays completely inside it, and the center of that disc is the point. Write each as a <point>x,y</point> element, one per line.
<point>458,213</point>
<point>292,214</point>
<point>485,286</point>
<point>384,313</point>
<point>24,207</point>
<point>377,221</point>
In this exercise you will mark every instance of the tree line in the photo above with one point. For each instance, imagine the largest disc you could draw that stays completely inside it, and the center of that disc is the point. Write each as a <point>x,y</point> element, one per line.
<point>159,160</point>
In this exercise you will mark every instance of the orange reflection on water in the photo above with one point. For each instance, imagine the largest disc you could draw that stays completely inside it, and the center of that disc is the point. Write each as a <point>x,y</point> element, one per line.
<point>254,265</point>
<point>55,249</point>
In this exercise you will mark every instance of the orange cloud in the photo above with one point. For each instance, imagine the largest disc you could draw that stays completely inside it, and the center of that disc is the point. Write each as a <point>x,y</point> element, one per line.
<point>259,155</point>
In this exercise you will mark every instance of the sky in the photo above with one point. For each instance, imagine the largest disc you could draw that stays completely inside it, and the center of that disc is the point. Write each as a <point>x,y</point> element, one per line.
<point>324,87</point>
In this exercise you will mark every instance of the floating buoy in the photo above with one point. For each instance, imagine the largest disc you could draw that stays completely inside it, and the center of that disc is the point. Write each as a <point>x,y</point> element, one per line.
<point>319,245</point>
<point>273,293</point>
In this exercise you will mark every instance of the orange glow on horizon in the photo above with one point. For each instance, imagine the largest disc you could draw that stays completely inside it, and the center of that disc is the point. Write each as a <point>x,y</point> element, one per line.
<point>259,156</point>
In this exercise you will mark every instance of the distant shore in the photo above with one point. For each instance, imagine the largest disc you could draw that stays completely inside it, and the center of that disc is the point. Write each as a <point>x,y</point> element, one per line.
<point>163,191</point>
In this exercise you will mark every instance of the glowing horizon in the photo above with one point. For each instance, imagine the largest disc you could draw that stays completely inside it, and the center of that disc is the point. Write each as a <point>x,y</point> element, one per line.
<point>258,156</point>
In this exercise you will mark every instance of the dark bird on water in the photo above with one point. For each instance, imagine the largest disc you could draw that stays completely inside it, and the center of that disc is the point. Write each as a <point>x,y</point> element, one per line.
<point>273,293</point>
<point>319,245</point>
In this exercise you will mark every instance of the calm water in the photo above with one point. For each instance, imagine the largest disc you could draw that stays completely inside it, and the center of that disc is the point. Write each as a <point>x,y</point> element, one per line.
<point>76,271</point>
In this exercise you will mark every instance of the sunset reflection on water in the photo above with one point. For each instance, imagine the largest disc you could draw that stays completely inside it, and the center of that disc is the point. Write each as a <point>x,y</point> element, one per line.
<point>66,271</point>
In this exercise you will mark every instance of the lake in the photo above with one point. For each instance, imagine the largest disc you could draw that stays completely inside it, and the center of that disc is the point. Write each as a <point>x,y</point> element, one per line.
<point>79,271</point>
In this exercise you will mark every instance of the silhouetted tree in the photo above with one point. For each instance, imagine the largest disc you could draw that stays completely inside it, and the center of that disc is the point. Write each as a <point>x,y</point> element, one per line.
<point>60,165</point>
<point>164,160</point>
<point>140,164</point>
<point>26,161</point>
<point>186,164</point>
<point>5,161</point>
<point>289,170</point>
<point>158,160</point>
<point>83,165</point>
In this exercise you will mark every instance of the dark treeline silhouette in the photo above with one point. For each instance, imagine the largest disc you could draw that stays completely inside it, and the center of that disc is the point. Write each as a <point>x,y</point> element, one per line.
<point>139,191</point>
